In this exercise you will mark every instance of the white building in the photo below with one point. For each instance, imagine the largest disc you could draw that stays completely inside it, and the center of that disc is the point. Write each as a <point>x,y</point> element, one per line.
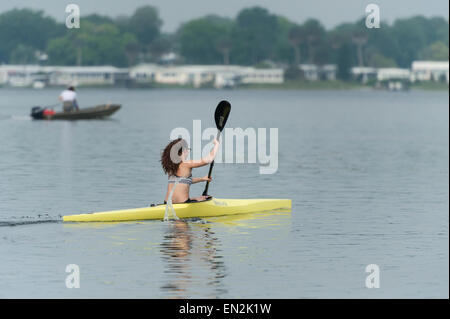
<point>363,74</point>
<point>20,75</point>
<point>143,73</point>
<point>261,76</point>
<point>310,71</point>
<point>313,72</point>
<point>218,76</point>
<point>225,79</point>
<point>328,72</point>
<point>87,75</point>
<point>429,70</point>
<point>195,75</point>
<point>385,74</point>
<point>173,75</point>
<point>200,75</point>
<point>28,75</point>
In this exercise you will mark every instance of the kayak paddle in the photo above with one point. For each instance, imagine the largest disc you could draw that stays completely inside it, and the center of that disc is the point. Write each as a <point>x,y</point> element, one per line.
<point>220,116</point>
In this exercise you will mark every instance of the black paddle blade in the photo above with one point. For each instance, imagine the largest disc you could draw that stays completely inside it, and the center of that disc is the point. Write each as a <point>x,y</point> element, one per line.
<point>221,115</point>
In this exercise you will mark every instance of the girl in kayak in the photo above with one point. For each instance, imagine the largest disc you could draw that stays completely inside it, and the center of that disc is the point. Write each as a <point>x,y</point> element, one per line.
<point>175,164</point>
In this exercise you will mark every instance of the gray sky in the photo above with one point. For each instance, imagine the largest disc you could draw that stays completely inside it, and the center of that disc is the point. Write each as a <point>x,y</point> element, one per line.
<point>174,12</point>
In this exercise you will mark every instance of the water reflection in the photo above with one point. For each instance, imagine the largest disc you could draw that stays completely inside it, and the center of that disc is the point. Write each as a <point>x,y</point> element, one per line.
<point>191,257</point>
<point>175,259</point>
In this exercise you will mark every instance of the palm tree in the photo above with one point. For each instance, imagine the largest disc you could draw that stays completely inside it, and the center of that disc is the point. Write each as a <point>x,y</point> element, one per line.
<point>315,36</point>
<point>224,45</point>
<point>359,39</point>
<point>132,52</point>
<point>296,37</point>
<point>311,43</point>
<point>77,40</point>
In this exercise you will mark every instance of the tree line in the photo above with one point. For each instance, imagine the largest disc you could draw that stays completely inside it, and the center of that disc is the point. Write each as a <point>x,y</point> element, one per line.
<point>254,37</point>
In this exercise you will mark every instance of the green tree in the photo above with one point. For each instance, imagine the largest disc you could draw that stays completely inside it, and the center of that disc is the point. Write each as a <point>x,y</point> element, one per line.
<point>92,45</point>
<point>23,54</point>
<point>162,44</point>
<point>254,35</point>
<point>315,40</point>
<point>383,43</point>
<point>377,60</point>
<point>296,36</point>
<point>62,51</point>
<point>414,34</point>
<point>359,39</point>
<point>283,50</point>
<point>344,62</point>
<point>204,40</point>
<point>98,19</point>
<point>145,24</point>
<point>411,37</point>
<point>25,28</point>
<point>224,45</point>
<point>437,51</point>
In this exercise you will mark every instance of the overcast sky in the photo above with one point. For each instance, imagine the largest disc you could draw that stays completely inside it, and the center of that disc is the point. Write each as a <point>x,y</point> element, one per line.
<point>174,12</point>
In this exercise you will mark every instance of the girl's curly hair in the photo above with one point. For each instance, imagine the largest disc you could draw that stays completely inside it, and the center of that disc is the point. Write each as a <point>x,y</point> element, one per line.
<point>171,156</point>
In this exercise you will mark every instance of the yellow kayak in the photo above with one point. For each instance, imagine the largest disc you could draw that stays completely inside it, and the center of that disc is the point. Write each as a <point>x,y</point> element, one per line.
<point>209,208</point>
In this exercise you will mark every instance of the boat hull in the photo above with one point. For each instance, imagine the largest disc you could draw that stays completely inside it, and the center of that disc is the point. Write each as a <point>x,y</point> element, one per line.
<point>95,112</point>
<point>209,208</point>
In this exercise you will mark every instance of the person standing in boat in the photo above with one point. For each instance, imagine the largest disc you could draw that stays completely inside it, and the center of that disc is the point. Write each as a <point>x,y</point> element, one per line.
<point>175,163</point>
<point>69,99</point>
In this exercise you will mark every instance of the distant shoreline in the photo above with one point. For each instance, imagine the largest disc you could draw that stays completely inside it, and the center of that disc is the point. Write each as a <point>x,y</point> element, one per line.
<point>288,86</point>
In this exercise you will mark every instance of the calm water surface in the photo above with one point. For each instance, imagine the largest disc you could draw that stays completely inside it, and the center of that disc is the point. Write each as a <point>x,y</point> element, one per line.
<point>367,173</point>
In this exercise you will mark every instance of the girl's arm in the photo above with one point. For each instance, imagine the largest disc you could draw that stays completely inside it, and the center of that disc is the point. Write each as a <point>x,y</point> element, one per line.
<point>201,179</point>
<point>206,160</point>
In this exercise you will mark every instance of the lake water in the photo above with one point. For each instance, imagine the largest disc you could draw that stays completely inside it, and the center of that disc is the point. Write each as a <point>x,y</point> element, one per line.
<point>367,172</point>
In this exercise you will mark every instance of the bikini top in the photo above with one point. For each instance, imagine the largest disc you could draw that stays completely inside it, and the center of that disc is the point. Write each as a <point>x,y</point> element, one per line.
<point>182,180</point>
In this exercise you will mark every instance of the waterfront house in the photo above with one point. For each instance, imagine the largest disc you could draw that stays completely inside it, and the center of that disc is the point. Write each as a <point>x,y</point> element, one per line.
<point>29,75</point>
<point>217,76</point>
<point>363,74</point>
<point>313,72</point>
<point>386,74</point>
<point>87,75</point>
<point>21,75</point>
<point>430,71</point>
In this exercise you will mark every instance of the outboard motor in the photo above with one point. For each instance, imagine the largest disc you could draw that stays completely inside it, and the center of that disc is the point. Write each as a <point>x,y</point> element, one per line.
<point>37,112</point>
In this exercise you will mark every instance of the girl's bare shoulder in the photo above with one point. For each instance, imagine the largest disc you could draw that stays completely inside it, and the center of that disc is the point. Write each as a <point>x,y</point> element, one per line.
<point>194,163</point>
<point>184,168</point>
